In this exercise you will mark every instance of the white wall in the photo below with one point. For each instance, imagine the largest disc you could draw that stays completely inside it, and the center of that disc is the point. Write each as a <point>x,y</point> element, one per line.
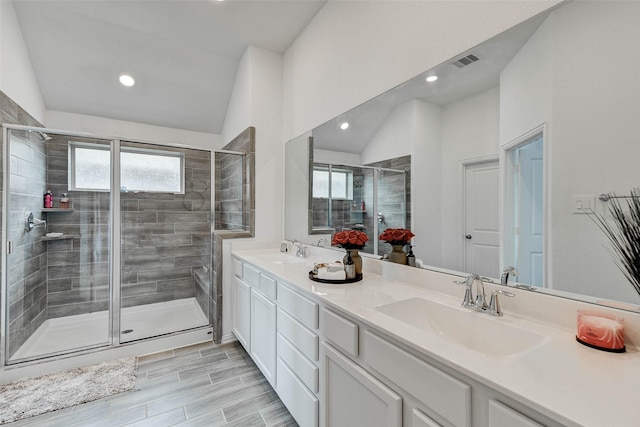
<point>336,157</point>
<point>591,99</point>
<point>256,100</point>
<point>354,50</point>
<point>130,130</point>
<point>470,130</point>
<point>395,137</point>
<point>426,181</point>
<point>17,78</point>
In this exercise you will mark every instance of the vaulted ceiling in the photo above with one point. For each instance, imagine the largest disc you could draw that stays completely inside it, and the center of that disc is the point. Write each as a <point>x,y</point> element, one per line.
<point>184,54</point>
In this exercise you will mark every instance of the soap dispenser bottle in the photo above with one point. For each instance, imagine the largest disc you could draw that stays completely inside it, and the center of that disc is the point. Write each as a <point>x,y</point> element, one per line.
<point>48,199</point>
<point>411,258</point>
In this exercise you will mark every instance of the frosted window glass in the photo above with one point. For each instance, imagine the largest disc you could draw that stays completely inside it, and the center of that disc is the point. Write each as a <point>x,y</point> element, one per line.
<point>139,170</point>
<point>150,172</point>
<point>320,184</point>
<point>92,168</point>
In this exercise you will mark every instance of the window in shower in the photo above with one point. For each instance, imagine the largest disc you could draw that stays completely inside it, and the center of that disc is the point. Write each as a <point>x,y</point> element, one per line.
<point>140,169</point>
<point>341,183</point>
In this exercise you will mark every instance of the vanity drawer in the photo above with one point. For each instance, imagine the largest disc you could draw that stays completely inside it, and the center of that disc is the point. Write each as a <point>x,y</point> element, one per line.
<point>306,371</point>
<point>502,416</point>
<point>302,308</point>
<point>444,394</point>
<point>237,267</point>
<point>305,340</point>
<point>340,331</point>
<point>302,404</point>
<point>251,275</point>
<point>268,286</point>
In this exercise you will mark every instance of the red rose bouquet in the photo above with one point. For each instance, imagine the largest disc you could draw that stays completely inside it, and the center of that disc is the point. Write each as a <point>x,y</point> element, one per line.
<point>350,239</point>
<point>397,236</point>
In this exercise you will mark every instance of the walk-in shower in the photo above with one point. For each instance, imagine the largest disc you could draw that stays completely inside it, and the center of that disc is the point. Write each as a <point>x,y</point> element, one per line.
<point>123,254</point>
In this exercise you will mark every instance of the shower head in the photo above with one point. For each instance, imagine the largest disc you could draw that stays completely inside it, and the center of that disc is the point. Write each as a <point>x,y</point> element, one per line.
<point>41,134</point>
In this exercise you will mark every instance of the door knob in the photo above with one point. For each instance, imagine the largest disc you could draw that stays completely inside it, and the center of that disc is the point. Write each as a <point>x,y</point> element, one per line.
<point>468,237</point>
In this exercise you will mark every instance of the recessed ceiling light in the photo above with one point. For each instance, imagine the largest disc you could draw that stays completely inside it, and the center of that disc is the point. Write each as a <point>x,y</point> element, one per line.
<point>344,125</point>
<point>126,80</point>
<point>431,79</point>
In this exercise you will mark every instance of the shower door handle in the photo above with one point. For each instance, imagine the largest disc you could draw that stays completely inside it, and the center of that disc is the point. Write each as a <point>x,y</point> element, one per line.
<point>9,247</point>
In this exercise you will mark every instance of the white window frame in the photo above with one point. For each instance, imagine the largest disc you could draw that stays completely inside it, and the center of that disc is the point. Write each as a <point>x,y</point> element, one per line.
<point>72,161</point>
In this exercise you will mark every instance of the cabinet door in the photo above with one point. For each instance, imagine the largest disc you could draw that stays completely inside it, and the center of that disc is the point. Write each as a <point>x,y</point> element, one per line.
<point>242,312</point>
<point>353,397</point>
<point>263,335</point>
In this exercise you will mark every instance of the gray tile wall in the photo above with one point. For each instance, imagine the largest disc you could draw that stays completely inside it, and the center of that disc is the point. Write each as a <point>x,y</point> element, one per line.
<point>166,237</point>
<point>245,143</point>
<point>77,268</point>
<point>12,113</point>
<point>27,278</point>
<point>229,192</point>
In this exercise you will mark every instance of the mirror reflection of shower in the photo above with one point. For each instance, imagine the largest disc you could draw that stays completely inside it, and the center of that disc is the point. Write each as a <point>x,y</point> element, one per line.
<point>41,134</point>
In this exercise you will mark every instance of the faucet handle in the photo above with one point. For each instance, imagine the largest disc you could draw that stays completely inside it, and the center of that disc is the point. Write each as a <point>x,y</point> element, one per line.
<point>494,304</point>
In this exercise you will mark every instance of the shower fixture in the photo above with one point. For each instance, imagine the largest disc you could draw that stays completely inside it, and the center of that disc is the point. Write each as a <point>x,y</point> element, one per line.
<point>41,134</point>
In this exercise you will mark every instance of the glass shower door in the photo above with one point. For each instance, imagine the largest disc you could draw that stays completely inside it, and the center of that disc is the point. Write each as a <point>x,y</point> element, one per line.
<point>57,265</point>
<point>165,203</point>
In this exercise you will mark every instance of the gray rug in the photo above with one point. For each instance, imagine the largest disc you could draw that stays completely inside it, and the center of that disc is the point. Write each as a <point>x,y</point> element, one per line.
<point>34,396</point>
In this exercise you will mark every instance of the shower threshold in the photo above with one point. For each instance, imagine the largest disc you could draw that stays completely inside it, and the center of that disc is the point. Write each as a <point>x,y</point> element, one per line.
<point>86,330</point>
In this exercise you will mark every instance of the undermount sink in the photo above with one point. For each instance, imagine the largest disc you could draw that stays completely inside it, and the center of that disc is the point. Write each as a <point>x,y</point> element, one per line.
<point>283,258</point>
<point>475,331</point>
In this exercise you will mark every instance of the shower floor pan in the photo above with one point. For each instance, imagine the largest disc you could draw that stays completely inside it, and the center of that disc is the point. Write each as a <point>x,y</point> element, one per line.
<point>85,330</point>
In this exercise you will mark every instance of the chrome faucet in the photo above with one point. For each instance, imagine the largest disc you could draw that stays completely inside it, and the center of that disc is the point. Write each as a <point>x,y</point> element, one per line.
<point>510,270</point>
<point>301,251</point>
<point>480,301</point>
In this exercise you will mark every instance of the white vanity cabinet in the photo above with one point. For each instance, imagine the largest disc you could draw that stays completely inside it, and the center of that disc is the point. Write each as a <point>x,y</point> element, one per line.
<point>332,369</point>
<point>255,316</point>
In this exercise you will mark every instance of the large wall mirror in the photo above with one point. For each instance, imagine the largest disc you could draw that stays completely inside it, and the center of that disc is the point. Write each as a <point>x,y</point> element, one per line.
<point>509,147</point>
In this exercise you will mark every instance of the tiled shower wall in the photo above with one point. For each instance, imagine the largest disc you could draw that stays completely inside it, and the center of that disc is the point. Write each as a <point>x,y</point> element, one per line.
<point>245,143</point>
<point>78,264</point>
<point>166,237</point>
<point>229,192</point>
<point>27,278</point>
<point>12,113</point>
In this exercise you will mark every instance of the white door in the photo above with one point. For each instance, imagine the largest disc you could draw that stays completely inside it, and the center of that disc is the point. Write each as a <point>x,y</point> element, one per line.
<point>481,210</point>
<point>529,222</point>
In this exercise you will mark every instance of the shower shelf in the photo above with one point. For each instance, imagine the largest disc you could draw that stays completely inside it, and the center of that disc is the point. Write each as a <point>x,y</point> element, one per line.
<point>57,209</point>
<point>64,237</point>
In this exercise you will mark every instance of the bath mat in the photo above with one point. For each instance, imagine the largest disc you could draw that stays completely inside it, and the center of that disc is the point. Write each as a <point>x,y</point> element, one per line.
<point>34,396</point>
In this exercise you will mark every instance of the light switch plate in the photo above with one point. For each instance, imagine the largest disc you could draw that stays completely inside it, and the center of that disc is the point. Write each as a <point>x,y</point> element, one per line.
<point>583,204</point>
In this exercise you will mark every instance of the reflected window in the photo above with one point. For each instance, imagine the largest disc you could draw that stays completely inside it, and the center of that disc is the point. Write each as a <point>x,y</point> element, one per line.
<point>341,183</point>
<point>141,169</point>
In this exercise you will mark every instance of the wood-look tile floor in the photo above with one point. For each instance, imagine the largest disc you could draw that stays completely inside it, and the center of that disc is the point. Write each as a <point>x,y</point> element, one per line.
<point>200,385</point>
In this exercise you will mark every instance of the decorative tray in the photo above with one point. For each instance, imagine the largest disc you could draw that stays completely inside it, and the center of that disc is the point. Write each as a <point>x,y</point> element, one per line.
<point>335,282</point>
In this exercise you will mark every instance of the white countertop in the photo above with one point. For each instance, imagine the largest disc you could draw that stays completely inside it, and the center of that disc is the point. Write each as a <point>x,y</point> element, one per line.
<point>571,383</point>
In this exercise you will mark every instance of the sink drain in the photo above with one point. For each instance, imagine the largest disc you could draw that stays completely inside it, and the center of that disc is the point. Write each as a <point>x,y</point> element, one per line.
<point>127,331</point>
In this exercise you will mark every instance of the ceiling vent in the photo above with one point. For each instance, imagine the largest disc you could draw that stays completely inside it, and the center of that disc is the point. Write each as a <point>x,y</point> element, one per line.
<point>463,62</point>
